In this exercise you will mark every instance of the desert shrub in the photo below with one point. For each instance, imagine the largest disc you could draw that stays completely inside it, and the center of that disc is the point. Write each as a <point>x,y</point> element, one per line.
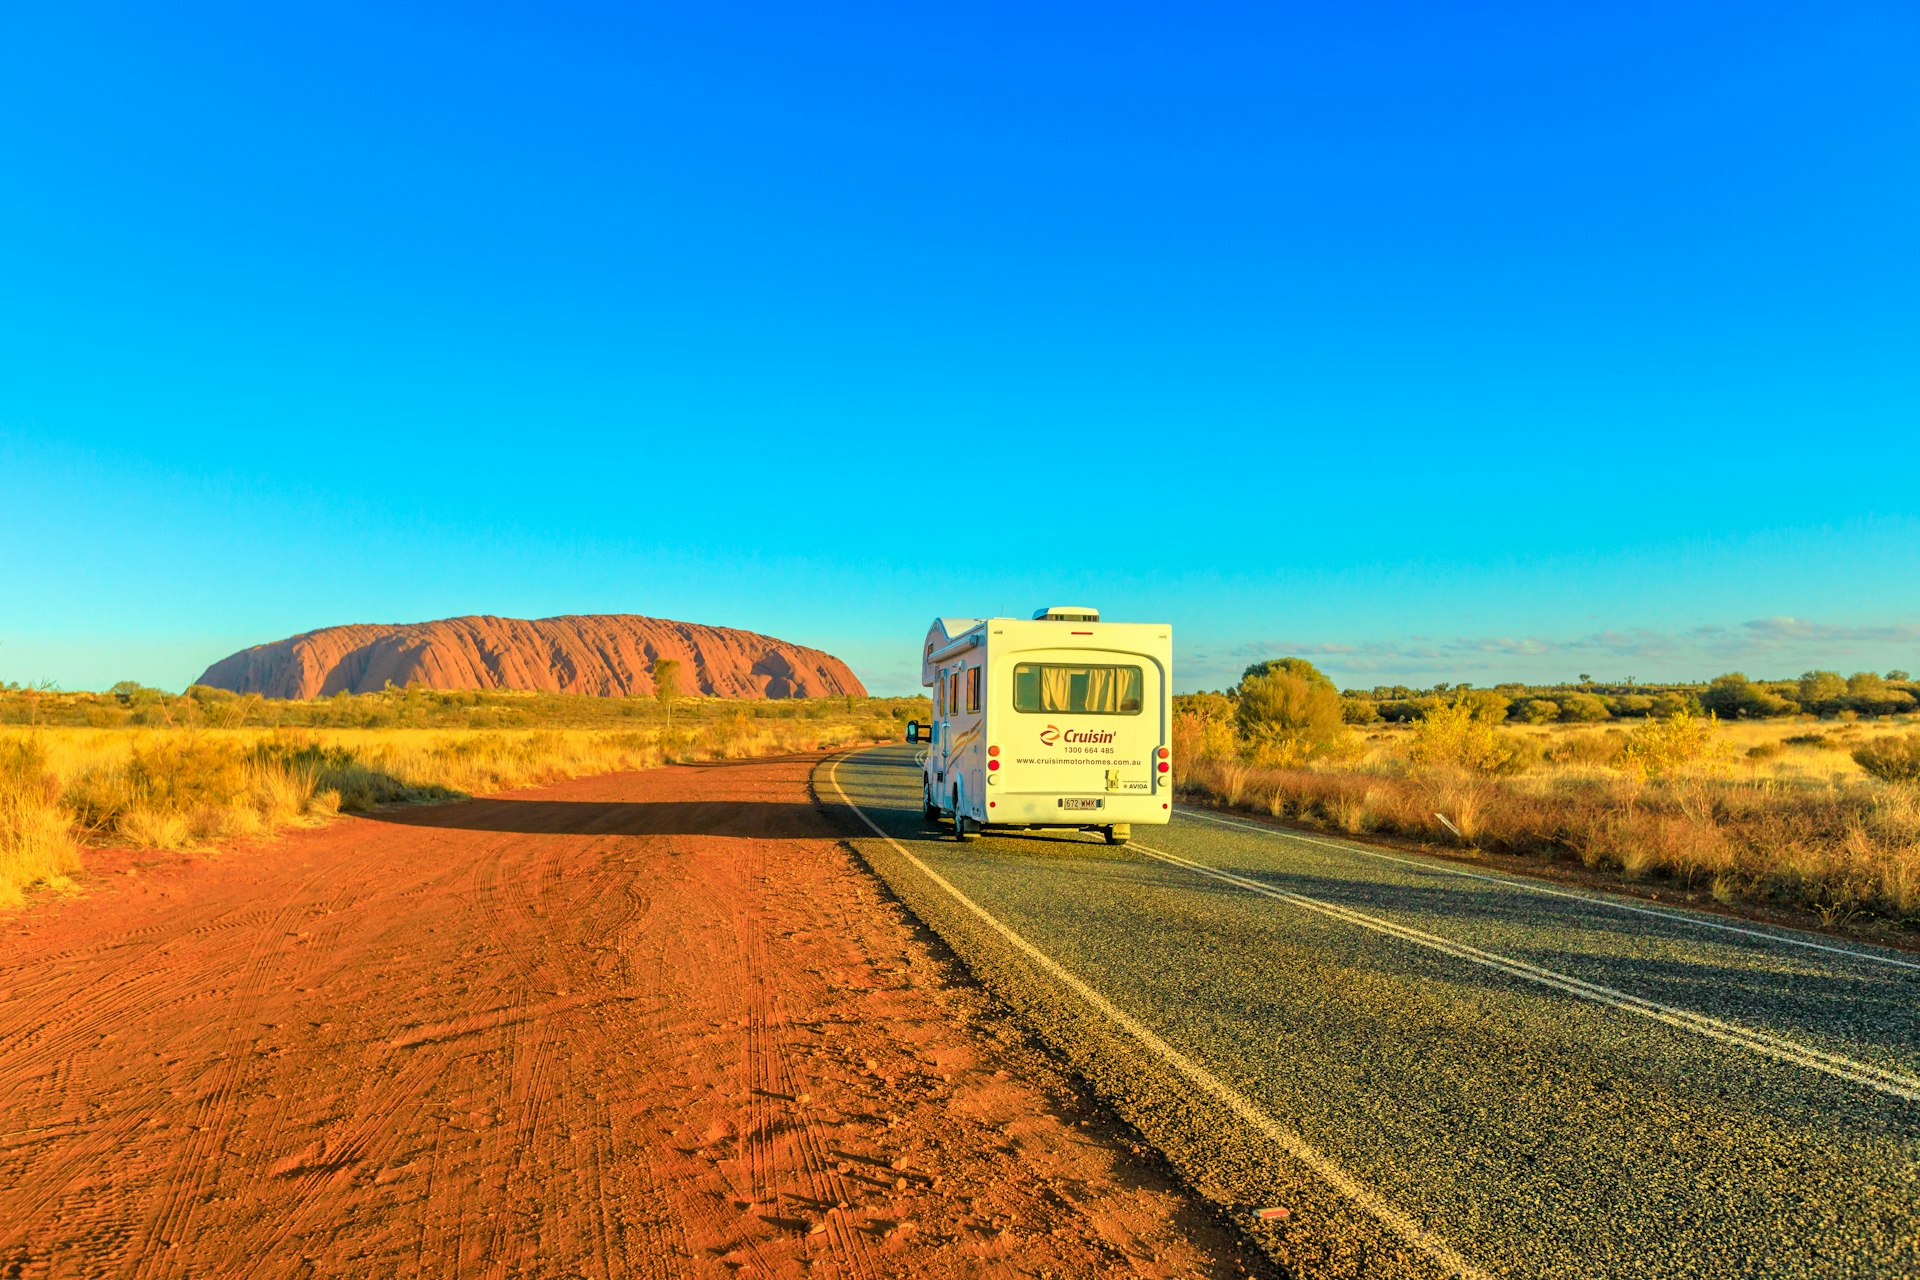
<point>1458,736</point>
<point>1593,749</point>
<point>37,844</point>
<point>1404,710</point>
<point>1581,708</point>
<point>1207,706</point>
<point>1289,711</point>
<point>1536,711</point>
<point>1359,711</point>
<point>1656,748</point>
<point>180,774</point>
<point>1487,705</point>
<point>1670,703</point>
<point>1524,751</point>
<point>1891,759</point>
<point>1733,696</point>
<point>1630,704</point>
<point>1765,751</point>
<point>1870,695</point>
<point>1822,692</point>
<point>299,752</point>
<point>1813,739</point>
<point>1196,738</point>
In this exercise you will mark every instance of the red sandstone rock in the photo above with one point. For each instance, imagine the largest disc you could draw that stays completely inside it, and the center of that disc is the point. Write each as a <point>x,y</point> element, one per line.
<point>606,654</point>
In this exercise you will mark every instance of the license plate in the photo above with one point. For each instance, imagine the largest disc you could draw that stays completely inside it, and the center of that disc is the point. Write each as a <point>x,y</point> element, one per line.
<point>1082,804</point>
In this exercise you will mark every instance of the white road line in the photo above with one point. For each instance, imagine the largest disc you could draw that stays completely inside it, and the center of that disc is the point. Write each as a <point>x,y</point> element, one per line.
<point>1515,882</point>
<point>1288,1141</point>
<point>1894,1083</point>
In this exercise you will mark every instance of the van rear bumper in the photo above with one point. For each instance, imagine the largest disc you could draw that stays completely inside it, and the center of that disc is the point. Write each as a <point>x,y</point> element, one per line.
<point>1045,810</point>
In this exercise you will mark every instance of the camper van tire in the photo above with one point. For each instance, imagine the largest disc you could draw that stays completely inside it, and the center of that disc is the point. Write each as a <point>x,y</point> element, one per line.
<point>1118,833</point>
<point>934,812</point>
<point>965,828</point>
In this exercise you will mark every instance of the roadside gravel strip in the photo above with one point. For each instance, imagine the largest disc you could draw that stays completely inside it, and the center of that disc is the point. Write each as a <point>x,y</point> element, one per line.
<point>1435,1070</point>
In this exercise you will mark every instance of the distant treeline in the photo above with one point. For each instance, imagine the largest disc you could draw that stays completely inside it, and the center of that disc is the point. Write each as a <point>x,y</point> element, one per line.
<point>414,707</point>
<point>1731,697</point>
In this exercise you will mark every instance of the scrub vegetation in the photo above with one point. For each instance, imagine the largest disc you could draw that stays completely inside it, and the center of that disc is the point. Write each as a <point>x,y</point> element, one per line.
<point>1809,802</point>
<point>161,771</point>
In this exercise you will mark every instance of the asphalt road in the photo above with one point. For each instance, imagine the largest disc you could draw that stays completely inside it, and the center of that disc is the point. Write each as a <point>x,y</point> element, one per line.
<point>1436,1070</point>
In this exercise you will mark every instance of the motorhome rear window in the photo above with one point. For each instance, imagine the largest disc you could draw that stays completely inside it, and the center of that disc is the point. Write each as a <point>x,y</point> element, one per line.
<point>1090,691</point>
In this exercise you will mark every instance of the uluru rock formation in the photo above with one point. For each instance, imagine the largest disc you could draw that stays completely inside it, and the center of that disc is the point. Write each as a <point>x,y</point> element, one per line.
<point>609,654</point>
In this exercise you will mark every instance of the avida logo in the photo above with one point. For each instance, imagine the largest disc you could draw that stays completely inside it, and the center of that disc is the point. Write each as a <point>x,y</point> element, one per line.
<point>1050,735</point>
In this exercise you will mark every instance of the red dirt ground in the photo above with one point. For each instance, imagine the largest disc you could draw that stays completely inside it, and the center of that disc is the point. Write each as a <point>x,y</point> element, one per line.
<point>653,1024</point>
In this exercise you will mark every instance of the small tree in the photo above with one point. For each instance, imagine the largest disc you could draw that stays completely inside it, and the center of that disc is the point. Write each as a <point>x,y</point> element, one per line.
<point>1288,710</point>
<point>1733,696</point>
<point>666,684</point>
<point>1823,692</point>
<point>1868,694</point>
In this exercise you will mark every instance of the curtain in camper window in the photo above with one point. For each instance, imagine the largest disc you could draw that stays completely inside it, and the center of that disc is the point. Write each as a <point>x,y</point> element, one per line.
<point>1076,690</point>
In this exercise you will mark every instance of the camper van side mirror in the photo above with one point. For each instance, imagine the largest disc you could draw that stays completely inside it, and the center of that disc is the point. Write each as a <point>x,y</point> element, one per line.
<point>913,731</point>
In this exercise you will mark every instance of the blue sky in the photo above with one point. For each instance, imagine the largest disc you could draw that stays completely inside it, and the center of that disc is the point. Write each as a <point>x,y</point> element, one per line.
<point>1512,341</point>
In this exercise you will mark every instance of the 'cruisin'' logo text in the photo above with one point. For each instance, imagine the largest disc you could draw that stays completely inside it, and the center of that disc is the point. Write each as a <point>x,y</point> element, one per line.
<point>1052,734</point>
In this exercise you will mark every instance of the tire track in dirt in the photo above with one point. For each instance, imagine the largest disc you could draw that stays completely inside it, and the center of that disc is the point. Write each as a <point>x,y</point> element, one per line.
<point>582,1030</point>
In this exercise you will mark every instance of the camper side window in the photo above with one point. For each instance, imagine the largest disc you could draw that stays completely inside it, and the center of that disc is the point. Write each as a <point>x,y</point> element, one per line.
<point>953,690</point>
<point>1091,691</point>
<point>973,688</point>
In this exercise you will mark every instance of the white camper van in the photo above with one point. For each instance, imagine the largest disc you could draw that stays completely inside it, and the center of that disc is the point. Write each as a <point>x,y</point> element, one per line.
<point>1062,721</point>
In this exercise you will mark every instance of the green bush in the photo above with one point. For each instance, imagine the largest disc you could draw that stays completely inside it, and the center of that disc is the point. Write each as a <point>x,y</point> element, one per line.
<point>1582,708</point>
<point>1891,759</point>
<point>1658,747</point>
<point>1822,692</point>
<point>181,775</point>
<point>1870,695</point>
<point>1734,697</point>
<point>1359,711</point>
<point>1289,710</point>
<point>1487,706</point>
<point>1458,736</point>
<point>1670,703</point>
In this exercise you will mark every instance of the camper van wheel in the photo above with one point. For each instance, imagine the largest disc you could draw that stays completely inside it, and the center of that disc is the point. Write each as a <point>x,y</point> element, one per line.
<point>1118,833</point>
<point>934,812</point>
<point>965,828</point>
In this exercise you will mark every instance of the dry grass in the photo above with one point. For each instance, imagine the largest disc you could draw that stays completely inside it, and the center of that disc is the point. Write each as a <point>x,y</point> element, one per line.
<point>1772,812</point>
<point>199,788</point>
<point>37,844</point>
